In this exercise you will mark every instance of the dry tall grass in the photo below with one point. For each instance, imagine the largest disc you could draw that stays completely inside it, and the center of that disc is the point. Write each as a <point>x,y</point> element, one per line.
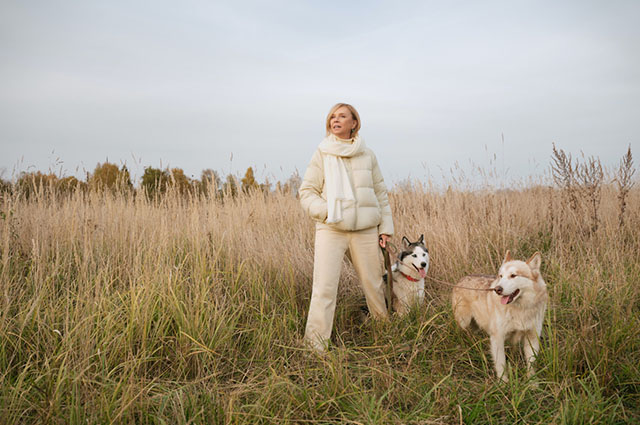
<point>116,309</point>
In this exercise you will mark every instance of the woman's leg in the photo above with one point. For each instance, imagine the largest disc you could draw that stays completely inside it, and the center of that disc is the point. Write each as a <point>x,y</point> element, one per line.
<point>330,246</point>
<point>366,259</point>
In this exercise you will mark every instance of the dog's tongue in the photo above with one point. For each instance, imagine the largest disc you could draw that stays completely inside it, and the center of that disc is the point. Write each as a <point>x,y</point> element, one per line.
<point>505,299</point>
<point>423,273</point>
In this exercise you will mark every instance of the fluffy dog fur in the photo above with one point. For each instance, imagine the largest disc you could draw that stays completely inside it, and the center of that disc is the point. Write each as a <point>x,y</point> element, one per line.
<point>408,275</point>
<point>515,309</point>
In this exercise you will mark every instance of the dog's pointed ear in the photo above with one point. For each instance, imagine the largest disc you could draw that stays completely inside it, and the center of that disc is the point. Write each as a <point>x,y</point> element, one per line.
<point>405,242</point>
<point>421,240</point>
<point>507,257</point>
<point>535,261</point>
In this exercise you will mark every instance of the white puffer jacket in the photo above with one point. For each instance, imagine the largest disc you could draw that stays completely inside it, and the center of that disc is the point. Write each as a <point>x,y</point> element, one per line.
<point>371,206</point>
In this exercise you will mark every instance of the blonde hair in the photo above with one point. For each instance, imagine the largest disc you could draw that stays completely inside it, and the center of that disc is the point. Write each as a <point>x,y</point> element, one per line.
<point>354,115</point>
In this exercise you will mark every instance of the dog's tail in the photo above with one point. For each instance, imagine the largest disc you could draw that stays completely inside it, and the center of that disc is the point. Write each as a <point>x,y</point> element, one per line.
<point>461,309</point>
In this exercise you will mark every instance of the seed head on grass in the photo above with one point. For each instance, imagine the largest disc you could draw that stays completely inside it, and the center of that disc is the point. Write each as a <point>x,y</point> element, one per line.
<point>564,175</point>
<point>192,312</point>
<point>623,176</point>
<point>590,177</point>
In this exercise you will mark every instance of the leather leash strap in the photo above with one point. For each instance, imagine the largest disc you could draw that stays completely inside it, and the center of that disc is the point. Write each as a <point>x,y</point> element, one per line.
<point>388,290</point>
<point>461,287</point>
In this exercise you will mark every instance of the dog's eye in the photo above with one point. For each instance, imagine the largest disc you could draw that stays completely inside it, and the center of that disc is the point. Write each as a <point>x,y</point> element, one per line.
<point>413,255</point>
<point>513,275</point>
<point>500,276</point>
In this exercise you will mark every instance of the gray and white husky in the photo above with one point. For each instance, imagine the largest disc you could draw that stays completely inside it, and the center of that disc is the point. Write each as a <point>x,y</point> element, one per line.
<point>408,274</point>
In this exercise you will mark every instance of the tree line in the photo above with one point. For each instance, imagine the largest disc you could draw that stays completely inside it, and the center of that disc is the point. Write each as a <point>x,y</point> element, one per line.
<point>154,182</point>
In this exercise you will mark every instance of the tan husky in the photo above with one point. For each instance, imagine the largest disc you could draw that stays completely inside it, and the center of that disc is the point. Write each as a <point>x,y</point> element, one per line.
<point>514,307</point>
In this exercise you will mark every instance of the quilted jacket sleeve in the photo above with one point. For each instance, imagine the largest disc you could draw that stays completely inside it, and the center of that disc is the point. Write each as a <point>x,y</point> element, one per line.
<point>386,223</point>
<point>311,189</point>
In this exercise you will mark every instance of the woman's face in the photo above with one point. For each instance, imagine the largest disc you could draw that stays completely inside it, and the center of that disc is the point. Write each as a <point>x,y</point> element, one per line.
<point>341,123</point>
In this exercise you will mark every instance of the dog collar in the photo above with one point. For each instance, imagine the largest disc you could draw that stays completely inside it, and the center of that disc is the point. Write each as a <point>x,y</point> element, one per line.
<point>409,277</point>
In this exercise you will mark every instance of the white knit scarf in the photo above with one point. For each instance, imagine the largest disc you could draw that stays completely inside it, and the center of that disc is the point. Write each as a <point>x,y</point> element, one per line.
<point>336,178</point>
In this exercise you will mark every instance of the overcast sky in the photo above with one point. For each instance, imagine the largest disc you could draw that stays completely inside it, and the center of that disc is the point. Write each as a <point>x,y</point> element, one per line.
<point>228,85</point>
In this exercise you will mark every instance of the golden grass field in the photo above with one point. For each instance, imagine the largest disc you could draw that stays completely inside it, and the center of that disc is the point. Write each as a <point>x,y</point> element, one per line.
<point>119,309</point>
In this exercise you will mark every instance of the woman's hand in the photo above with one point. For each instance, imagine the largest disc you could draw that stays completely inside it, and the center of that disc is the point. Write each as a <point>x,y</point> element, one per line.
<point>383,240</point>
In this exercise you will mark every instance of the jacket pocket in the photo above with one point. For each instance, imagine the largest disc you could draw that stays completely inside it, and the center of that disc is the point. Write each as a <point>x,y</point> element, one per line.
<point>319,210</point>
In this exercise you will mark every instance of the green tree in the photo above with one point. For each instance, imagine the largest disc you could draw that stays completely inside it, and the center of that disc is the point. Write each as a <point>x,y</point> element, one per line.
<point>230,187</point>
<point>210,182</point>
<point>155,181</point>
<point>180,181</point>
<point>36,182</point>
<point>68,185</point>
<point>5,186</point>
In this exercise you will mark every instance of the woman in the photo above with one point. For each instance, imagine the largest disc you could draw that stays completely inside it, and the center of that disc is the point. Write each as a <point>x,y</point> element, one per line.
<point>344,192</point>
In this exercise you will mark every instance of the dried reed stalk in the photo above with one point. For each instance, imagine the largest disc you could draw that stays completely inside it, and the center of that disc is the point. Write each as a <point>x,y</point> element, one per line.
<point>563,172</point>
<point>590,177</point>
<point>623,180</point>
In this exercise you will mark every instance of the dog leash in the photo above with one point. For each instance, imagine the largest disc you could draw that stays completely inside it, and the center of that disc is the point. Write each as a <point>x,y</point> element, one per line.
<point>461,287</point>
<point>388,290</point>
<point>388,293</point>
<point>387,263</point>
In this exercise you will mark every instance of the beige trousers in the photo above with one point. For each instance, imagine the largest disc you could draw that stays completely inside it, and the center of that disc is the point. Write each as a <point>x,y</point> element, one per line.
<point>330,248</point>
